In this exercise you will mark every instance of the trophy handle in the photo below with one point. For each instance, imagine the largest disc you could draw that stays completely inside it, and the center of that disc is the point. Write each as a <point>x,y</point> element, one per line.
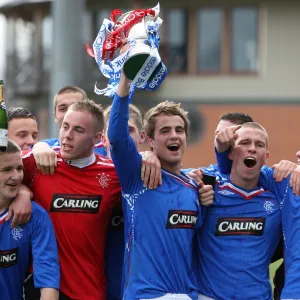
<point>114,14</point>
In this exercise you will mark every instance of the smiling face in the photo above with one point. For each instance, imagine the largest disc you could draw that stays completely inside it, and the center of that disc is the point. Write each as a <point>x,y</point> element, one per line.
<point>11,176</point>
<point>249,154</point>
<point>23,131</point>
<point>169,141</point>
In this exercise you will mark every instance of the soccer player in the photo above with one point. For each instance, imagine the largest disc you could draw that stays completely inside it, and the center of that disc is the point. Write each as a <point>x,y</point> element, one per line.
<point>242,227</point>
<point>162,221</point>
<point>79,197</point>
<point>115,242</point>
<point>22,127</point>
<point>36,238</point>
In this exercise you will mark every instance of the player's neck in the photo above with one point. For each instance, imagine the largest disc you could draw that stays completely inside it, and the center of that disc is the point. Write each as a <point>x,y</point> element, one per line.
<point>4,204</point>
<point>82,162</point>
<point>174,168</point>
<point>247,184</point>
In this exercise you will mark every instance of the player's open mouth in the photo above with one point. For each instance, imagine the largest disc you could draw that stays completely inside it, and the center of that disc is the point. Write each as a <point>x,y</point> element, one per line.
<point>173,147</point>
<point>250,162</point>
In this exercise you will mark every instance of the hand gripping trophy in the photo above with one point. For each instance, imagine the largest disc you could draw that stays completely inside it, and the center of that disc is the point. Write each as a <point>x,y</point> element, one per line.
<point>129,43</point>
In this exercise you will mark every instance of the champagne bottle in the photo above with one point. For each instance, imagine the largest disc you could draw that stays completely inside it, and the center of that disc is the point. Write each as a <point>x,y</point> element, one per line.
<point>3,120</point>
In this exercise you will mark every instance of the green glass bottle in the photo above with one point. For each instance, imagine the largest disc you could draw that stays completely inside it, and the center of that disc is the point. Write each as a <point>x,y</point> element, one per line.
<point>3,120</point>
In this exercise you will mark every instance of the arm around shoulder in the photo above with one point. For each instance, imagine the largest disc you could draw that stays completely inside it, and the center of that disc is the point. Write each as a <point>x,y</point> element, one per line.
<point>49,294</point>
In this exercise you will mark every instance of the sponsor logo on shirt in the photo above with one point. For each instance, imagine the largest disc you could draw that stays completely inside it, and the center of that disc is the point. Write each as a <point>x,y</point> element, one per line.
<point>75,203</point>
<point>8,258</point>
<point>185,219</point>
<point>240,226</point>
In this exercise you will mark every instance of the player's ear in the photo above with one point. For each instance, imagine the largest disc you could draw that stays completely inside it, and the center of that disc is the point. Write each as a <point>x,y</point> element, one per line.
<point>150,142</point>
<point>142,137</point>
<point>98,137</point>
<point>267,157</point>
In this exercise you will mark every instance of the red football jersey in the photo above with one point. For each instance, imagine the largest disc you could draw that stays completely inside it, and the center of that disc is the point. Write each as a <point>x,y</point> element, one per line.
<point>80,202</point>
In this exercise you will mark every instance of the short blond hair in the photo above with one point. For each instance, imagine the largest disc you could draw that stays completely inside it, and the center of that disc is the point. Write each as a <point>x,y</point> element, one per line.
<point>91,107</point>
<point>167,108</point>
<point>256,125</point>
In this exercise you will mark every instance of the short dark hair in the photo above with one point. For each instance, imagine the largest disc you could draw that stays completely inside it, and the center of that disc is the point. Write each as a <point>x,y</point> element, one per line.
<point>19,113</point>
<point>93,108</point>
<point>236,118</point>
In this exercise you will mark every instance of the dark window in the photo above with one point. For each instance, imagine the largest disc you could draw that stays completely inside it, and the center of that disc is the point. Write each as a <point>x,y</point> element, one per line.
<point>175,56</point>
<point>227,40</point>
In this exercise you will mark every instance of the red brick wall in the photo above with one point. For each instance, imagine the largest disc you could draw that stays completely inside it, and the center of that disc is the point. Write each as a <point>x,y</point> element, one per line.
<point>282,122</point>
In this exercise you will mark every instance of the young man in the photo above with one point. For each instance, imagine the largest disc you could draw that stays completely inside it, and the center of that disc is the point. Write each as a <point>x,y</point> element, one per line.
<point>22,127</point>
<point>115,242</point>
<point>159,256</point>
<point>79,197</point>
<point>242,227</point>
<point>282,190</point>
<point>35,239</point>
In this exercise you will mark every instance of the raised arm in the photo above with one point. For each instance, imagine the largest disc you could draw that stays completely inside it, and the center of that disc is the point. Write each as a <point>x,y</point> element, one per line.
<point>125,156</point>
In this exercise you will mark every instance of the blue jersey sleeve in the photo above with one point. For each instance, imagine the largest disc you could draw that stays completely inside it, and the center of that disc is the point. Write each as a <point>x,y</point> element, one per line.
<point>290,213</point>
<point>51,142</point>
<point>44,250</point>
<point>224,163</point>
<point>124,153</point>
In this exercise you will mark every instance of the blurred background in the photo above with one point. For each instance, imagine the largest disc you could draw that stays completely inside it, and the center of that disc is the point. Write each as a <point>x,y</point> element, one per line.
<point>222,56</point>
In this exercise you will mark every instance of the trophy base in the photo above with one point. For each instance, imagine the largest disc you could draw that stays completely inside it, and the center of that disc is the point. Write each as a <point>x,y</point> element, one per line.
<point>133,65</point>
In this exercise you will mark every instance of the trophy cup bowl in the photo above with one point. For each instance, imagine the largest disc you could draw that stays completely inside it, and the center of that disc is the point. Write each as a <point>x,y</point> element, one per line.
<point>142,48</point>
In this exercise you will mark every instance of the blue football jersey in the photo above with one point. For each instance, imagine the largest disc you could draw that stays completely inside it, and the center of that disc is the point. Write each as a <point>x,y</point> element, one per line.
<point>34,239</point>
<point>290,210</point>
<point>55,143</point>
<point>159,248</point>
<point>236,242</point>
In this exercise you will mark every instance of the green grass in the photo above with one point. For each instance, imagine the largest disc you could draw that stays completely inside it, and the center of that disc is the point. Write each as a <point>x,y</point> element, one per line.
<point>273,268</point>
